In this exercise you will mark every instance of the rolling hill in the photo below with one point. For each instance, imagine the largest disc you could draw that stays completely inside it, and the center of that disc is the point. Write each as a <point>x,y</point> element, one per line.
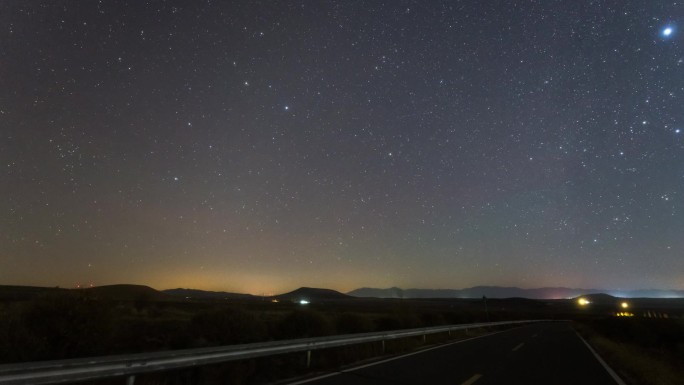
<point>313,294</point>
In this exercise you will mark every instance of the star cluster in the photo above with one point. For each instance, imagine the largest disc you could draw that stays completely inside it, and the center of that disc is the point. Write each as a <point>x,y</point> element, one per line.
<point>261,146</point>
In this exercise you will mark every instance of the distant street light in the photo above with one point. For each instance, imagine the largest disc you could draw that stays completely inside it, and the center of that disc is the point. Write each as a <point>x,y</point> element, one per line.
<point>624,305</point>
<point>583,302</point>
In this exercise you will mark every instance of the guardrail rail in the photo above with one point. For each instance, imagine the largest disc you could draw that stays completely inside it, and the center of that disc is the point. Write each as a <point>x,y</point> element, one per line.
<point>130,365</point>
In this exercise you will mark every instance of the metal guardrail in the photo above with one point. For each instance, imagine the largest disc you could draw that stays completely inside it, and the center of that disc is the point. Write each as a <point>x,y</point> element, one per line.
<point>128,365</point>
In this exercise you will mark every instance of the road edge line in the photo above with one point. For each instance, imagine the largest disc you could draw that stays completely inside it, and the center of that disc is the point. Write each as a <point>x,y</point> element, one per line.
<point>391,359</point>
<point>472,379</point>
<point>602,362</point>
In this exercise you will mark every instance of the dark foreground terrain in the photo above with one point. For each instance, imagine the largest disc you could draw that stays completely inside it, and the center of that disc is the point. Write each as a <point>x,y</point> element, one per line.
<point>51,323</point>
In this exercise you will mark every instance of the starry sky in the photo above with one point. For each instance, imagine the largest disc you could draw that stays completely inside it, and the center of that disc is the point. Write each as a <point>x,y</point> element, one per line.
<point>259,146</point>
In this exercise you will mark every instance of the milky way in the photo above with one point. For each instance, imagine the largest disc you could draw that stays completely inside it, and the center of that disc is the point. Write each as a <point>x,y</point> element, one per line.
<point>261,146</point>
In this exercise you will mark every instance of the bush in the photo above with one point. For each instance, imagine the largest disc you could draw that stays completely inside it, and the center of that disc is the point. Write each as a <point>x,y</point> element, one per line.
<point>145,334</point>
<point>304,323</point>
<point>433,319</point>
<point>55,327</point>
<point>226,326</point>
<point>352,323</point>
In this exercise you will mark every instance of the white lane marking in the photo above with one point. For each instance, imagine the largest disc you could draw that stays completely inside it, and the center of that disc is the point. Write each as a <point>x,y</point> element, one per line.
<point>520,345</point>
<point>391,359</point>
<point>472,379</point>
<point>605,365</point>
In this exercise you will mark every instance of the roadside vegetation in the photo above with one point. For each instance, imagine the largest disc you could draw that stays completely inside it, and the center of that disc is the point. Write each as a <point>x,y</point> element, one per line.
<point>61,324</point>
<point>641,350</point>
<point>70,324</point>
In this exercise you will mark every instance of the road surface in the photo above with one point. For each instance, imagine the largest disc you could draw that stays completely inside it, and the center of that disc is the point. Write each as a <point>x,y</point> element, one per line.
<point>548,353</point>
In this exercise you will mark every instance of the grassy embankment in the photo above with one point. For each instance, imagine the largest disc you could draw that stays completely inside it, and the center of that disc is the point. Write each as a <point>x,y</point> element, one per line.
<point>641,350</point>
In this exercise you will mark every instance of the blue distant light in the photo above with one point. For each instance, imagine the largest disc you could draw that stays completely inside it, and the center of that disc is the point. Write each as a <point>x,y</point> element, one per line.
<point>667,32</point>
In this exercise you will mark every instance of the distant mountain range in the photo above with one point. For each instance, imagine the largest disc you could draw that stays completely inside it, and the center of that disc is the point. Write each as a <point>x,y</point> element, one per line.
<point>145,293</point>
<point>508,292</point>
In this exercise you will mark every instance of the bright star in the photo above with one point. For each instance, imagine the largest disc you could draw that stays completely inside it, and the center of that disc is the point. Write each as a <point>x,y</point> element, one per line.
<point>677,131</point>
<point>667,32</point>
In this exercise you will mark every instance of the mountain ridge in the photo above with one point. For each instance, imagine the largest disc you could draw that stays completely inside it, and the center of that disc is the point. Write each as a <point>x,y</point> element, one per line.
<point>141,292</point>
<point>206,294</point>
<point>508,292</point>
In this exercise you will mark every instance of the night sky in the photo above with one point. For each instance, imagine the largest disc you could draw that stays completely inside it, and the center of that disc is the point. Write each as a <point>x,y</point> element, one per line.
<point>261,146</point>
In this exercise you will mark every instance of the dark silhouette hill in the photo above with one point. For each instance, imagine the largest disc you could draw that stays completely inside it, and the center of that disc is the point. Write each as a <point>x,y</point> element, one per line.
<point>124,292</point>
<point>24,293</point>
<point>312,294</point>
<point>600,298</point>
<point>202,294</point>
<point>121,292</point>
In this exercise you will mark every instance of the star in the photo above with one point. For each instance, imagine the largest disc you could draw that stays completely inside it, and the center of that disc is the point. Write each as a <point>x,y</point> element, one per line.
<point>499,156</point>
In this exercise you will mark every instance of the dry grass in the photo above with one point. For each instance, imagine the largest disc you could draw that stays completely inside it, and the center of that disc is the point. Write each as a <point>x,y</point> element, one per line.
<point>634,364</point>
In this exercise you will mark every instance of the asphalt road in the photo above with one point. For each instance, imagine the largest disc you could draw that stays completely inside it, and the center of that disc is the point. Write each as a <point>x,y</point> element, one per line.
<point>549,353</point>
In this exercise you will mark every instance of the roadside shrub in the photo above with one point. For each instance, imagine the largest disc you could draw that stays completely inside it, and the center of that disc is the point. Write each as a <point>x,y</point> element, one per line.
<point>226,326</point>
<point>15,342</point>
<point>433,319</point>
<point>352,323</point>
<point>304,323</point>
<point>151,334</point>
<point>63,326</point>
<point>386,322</point>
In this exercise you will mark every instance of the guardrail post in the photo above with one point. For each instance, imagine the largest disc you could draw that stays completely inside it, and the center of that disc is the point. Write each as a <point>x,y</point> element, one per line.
<point>308,359</point>
<point>424,338</point>
<point>130,380</point>
<point>383,346</point>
